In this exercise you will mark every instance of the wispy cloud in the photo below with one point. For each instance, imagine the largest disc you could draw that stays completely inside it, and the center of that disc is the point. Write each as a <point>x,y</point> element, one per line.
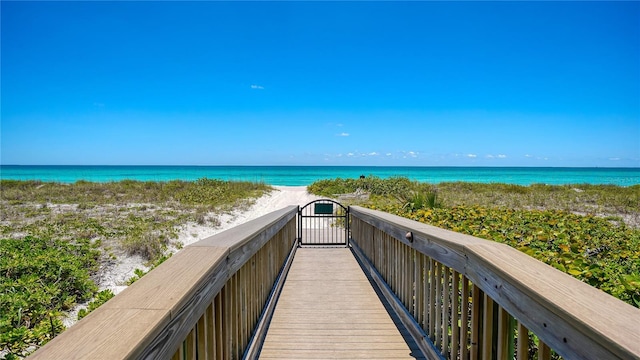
<point>412,154</point>
<point>343,134</point>
<point>257,87</point>
<point>472,156</point>
<point>373,153</point>
<point>500,156</point>
<point>614,159</point>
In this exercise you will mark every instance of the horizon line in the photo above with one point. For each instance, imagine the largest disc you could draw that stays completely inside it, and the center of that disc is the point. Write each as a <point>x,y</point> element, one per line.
<point>368,166</point>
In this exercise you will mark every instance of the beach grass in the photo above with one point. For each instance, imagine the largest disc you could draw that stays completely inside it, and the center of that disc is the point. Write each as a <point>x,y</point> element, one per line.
<point>138,217</point>
<point>603,200</point>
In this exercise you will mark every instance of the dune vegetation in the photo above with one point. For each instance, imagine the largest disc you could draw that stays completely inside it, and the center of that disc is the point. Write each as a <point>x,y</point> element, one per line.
<point>591,232</point>
<point>54,237</point>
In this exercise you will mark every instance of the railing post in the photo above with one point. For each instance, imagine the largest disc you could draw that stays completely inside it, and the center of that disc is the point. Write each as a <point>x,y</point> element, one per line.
<point>299,238</point>
<point>347,225</point>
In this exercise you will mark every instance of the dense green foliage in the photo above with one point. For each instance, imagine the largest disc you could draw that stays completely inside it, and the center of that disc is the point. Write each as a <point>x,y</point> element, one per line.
<point>39,279</point>
<point>538,220</point>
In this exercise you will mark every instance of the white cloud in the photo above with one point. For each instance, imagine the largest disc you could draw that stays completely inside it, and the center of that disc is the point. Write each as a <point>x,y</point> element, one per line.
<point>343,134</point>
<point>412,153</point>
<point>472,156</point>
<point>257,87</point>
<point>350,154</point>
<point>373,153</point>
<point>502,156</point>
<point>490,156</point>
<point>614,159</point>
<point>528,156</point>
<point>388,154</point>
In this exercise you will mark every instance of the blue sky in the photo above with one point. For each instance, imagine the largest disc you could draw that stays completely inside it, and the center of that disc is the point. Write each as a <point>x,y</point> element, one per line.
<point>321,83</point>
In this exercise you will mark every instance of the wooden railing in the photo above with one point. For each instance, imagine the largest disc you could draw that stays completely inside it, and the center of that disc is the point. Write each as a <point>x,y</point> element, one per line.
<point>471,298</point>
<point>468,298</point>
<point>204,302</point>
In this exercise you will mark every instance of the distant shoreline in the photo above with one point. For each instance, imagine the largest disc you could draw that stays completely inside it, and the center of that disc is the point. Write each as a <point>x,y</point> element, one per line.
<point>294,175</point>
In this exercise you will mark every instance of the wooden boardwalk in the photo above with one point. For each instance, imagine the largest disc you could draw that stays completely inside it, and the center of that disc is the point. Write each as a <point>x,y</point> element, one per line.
<point>328,309</point>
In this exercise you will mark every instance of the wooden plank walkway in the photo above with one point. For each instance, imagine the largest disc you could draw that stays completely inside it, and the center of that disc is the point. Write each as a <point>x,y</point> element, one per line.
<point>329,310</point>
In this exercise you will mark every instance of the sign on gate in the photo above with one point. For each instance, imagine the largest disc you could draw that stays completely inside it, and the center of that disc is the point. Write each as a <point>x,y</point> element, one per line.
<point>323,222</point>
<point>324,209</point>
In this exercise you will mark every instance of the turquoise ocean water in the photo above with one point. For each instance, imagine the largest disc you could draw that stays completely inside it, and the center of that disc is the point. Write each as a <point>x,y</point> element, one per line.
<point>305,175</point>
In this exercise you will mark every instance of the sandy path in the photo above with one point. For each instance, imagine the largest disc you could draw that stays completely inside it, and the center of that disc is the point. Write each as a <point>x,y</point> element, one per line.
<point>282,197</point>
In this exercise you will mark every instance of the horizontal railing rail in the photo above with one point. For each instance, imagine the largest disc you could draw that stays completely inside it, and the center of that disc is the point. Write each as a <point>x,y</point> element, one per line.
<point>477,299</point>
<point>204,302</point>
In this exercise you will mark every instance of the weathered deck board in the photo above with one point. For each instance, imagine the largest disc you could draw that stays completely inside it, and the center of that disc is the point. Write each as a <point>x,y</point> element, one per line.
<point>329,310</point>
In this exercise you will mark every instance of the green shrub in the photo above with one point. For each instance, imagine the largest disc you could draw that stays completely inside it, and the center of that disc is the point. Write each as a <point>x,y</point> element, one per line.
<point>393,186</point>
<point>422,200</point>
<point>40,279</point>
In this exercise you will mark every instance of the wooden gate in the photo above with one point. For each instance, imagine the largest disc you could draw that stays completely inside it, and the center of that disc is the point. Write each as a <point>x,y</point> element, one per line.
<point>323,222</point>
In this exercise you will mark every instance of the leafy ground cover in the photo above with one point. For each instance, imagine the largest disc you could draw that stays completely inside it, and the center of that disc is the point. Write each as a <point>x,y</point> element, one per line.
<point>588,231</point>
<point>40,279</point>
<point>55,236</point>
